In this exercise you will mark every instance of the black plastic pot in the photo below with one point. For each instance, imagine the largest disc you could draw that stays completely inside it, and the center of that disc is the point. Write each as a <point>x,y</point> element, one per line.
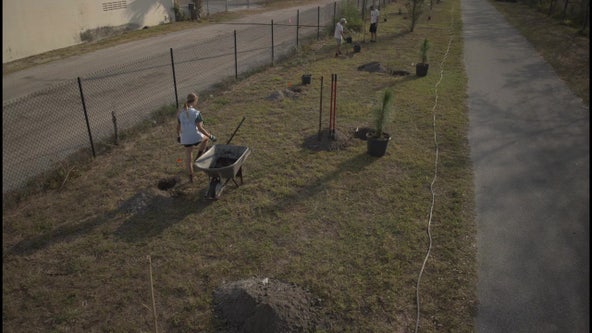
<point>421,69</point>
<point>306,79</point>
<point>357,48</point>
<point>377,146</point>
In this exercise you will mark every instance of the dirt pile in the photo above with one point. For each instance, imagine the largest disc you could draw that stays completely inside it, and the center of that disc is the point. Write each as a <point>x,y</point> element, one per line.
<point>376,67</point>
<point>373,67</point>
<point>265,306</point>
<point>326,142</point>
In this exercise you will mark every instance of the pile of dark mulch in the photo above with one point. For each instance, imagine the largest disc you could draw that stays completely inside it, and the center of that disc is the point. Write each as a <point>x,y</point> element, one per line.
<point>265,306</point>
<point>291,92</point>
<point>373,67</point>
<point>376,67</point>
<point>325,142</point>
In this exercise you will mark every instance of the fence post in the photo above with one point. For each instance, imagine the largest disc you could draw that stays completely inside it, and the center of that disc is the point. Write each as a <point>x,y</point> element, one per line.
<point>92,146</point>
<point>272,46</point>
<point>297,25</point>
<point>114,118</point>
<point>334,12</point>
<point>318,22</point>
<point>364,12</point>
<point>174,78</point>
<point>321,110</point>
<point>235,58</point>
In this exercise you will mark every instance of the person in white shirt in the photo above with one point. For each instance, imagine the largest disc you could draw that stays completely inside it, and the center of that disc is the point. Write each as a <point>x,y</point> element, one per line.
<point>374,14</point>
<point>339,29</point>
<point>191,132</point>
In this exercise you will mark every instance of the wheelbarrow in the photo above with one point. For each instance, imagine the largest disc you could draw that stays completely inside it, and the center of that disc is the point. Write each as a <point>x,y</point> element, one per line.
<point>223,163</point>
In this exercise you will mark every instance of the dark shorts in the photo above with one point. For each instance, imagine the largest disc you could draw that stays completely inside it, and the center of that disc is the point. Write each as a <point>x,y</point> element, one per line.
<point>195,144</point>
<point>373,27</point>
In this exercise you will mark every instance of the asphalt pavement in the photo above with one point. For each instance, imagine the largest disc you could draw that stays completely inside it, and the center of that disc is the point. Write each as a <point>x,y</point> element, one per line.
<point>25,82</point>
<point>529,139</point>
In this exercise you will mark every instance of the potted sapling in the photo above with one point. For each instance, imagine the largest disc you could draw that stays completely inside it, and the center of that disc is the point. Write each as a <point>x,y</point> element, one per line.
<point>421,69</point>
<point>377,139</point>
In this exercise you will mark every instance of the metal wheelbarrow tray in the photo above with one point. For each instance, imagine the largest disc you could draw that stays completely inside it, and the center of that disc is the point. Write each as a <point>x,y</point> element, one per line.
<point>222,163</point>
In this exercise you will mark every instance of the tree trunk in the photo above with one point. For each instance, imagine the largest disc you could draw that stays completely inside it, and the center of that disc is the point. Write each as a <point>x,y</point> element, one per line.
<point>586,22</point>
<point>416,9</point>
<point>551,7</point>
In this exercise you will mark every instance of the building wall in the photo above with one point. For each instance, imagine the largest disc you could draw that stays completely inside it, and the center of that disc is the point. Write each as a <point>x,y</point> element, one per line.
<point>32,27</point>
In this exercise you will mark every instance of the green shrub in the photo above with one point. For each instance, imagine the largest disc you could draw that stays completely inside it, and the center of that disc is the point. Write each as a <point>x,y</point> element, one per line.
<point>352,15</point>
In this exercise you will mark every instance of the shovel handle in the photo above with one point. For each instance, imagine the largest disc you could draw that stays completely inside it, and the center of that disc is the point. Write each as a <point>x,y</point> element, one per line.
<point>239,125</point>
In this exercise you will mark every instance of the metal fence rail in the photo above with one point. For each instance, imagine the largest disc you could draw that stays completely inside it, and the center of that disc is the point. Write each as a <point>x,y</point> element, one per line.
<point>45,127</point>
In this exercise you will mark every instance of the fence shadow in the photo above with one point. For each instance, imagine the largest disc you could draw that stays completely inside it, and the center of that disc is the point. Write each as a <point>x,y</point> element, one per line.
<point>150,213</point>
<point>161,213</point>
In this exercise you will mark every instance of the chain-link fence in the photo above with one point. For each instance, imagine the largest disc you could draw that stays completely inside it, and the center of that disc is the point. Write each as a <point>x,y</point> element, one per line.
<point>44,128</point>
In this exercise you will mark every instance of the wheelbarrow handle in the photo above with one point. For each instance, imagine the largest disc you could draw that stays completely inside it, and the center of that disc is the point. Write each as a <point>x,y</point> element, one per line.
<point>239,125</point>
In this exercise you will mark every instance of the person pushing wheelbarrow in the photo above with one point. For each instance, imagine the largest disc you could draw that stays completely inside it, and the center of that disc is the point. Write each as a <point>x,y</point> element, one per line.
<point>191,131</point>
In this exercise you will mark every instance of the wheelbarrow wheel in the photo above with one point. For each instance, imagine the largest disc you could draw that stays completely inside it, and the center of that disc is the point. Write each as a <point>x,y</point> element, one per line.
<point>213,189</point>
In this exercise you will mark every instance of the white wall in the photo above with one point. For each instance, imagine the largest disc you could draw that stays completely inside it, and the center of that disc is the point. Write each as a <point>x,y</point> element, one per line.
<point>31,27</point>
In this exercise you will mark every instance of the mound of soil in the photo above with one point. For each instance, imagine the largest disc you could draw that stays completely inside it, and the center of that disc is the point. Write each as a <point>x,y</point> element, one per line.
<point>376,67</point>
<point>144,201</point>
<point>326,143</point>
<point>373,67</point>
<point>291,92</point>
<point>168,183</point>
<point>361,133</point>
<point>265,306</point>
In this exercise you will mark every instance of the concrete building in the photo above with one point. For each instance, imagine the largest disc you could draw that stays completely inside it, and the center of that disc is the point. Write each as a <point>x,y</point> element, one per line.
<point>31,27</point>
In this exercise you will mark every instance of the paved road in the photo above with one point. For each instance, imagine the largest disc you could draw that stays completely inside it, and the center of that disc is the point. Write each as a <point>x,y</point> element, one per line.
<point>30,80</point>
<point>529,138</point>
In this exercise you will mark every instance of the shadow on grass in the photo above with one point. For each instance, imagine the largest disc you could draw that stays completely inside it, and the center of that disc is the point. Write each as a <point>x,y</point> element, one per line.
<point>151,212</point>
<point>63,233</point>
<point>353,165</point>
<point>162,213</point>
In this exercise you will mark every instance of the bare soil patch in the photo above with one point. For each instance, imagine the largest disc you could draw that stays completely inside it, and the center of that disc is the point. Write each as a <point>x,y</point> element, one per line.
<point>324,141</point>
